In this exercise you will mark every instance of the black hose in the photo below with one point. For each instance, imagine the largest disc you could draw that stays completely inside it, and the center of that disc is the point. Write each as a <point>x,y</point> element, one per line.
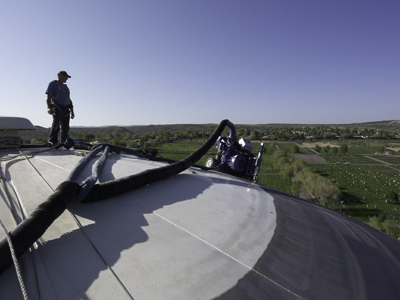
<point>127,184</point>
<point>32,228</point>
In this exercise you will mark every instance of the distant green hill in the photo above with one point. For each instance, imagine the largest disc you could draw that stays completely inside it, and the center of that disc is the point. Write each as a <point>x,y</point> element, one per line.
<point>393,126</point>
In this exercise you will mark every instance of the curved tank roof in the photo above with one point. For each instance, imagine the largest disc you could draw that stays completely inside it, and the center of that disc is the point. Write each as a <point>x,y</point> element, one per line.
<point>197,235</point>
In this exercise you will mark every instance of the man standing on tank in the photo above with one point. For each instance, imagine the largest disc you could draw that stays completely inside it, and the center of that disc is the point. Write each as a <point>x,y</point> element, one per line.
<point>59,105</point>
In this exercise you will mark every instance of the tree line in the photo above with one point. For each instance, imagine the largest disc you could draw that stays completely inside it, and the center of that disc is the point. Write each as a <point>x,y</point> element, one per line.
<point>130,139</point>
<point>303,179</point>
<point>327,149</point>
<point>133,140</point>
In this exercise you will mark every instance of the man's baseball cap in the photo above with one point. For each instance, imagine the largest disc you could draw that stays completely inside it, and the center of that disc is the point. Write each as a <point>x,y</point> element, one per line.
<point>64,74</point>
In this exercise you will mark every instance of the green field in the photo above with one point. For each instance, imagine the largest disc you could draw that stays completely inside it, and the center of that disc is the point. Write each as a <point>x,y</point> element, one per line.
<point>289,147</point>
<point>181,149</point>
<point>181,146</point>
<point>364,189</point>
<point>389,159</point>
<point>363,150</point>
<point>275,181</point>
<point>354,159</point>
<point>358,150</point>
<point>375,143</point>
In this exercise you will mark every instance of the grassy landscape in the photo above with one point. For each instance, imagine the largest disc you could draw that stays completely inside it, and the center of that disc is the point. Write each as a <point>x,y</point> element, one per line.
<point>364,188</point>
<point>181,149</point>
<point>354,159</point>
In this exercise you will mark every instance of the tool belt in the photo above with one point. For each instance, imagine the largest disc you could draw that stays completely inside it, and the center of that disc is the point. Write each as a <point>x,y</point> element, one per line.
<point>63,108</point>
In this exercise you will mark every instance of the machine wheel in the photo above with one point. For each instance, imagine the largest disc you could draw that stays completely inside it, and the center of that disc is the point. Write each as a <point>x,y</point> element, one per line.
<point>211,162</point>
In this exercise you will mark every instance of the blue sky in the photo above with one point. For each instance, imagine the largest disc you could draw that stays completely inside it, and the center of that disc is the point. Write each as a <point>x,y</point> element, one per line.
<point>202,61</point>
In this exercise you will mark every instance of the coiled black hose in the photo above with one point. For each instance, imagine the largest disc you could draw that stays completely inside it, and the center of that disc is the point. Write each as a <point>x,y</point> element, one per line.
<point>32,228</point>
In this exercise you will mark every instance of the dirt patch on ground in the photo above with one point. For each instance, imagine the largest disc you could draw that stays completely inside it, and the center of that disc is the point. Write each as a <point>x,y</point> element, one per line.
<point>395,149</point>
<point>309,158</point>
<point>321,144</point>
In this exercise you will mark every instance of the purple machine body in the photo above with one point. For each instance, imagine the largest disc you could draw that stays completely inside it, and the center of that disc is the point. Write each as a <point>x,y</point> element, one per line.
<point>235,156</point>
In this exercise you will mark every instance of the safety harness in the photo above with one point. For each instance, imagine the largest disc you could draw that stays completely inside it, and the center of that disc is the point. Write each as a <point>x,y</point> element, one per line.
<point>53,102</point>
